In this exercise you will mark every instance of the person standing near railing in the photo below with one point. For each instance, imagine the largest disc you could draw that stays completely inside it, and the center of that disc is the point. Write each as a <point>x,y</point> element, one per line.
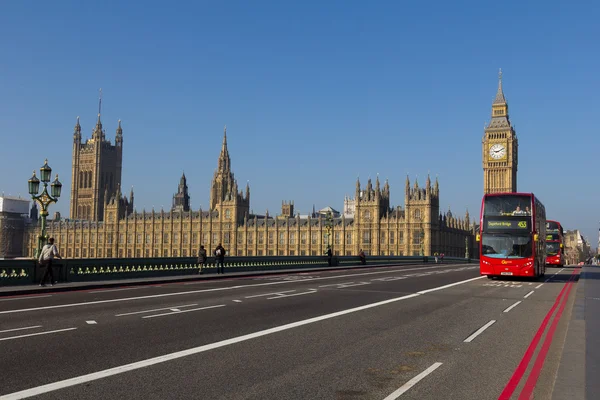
<point>201,258</point>
<point>220,258</point>
<point>47,255</point>
<point>362,257</point>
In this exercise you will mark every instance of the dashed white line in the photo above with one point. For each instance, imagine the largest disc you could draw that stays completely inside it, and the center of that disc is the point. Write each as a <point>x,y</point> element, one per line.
<point>20,329</point>
<point>479,331</point>
<point>175,309</point>
<point>115,290</point>
<point>268,294</point>
<point>237,301</point>
<point>184,311</point>
<point>513,306</point>
<point>26,297</point>
<point>291,295</point>
<point>404,388</point>
<point>91,322</point>
<point>528,294</point>
<point>539,286</point>
<point>36,334</point>
<point>49,387</point>
<point>156,309</point>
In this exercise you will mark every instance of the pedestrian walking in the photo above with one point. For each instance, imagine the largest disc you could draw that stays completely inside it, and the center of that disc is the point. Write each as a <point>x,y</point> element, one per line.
<point>46,258</point>
<point>220,257</point>
<point>329,256</point>
<point>201,258</point>
<point>362,257</point>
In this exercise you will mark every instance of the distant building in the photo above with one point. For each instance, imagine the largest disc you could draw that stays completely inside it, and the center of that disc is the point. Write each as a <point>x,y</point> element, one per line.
<point>181,200</point>
<point>577,249</point>
<point>14,212</point>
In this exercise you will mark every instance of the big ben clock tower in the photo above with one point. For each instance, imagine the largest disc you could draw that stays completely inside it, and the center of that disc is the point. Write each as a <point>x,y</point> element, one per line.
<point>500,148</point>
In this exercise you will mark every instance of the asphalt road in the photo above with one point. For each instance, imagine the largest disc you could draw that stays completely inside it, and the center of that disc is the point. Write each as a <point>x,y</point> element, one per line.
<point>409,332</point>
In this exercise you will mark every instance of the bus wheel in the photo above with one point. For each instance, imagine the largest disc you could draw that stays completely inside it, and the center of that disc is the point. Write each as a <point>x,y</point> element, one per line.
<point>490,277</point>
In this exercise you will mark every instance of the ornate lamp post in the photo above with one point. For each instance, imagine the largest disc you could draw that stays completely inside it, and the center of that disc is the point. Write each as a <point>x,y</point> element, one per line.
<point>328,228</point>
<point>44,199</point>
<point>467,248</point>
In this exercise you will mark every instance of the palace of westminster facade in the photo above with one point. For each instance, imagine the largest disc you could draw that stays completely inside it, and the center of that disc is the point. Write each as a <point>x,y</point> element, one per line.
<point>103,222</point>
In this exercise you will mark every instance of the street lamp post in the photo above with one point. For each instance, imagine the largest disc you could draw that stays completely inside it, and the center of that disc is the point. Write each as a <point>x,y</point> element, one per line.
<point>44,199</point>
<point>467,248</point>
<point>329,228</point>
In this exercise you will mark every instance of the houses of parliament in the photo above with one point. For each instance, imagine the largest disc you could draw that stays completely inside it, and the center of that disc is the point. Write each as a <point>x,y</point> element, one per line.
<point>103,222</point>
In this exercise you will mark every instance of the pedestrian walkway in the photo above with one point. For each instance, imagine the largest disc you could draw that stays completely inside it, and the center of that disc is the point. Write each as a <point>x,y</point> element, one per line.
<point>114,283</point>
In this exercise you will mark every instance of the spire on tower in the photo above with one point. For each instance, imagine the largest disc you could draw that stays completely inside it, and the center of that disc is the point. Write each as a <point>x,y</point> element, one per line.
<point>500,93</point>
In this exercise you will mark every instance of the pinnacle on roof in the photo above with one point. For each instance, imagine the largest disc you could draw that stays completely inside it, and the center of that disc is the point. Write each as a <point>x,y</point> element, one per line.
<point>500,94</point>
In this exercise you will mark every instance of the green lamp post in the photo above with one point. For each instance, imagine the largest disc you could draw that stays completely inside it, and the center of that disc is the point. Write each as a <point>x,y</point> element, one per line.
<point>329,228</point>
<point>44,199</point>
<point>466,247</point>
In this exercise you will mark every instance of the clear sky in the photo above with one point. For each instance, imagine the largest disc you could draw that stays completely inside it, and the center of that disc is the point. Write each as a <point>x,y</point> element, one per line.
<point>313,94</point>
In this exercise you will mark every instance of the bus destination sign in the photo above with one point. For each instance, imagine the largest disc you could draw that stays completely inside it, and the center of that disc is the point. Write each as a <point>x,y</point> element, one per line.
<point>508,224</point>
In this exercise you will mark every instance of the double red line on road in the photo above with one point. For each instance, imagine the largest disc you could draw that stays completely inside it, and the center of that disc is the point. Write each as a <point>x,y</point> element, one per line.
<point>527,392</point>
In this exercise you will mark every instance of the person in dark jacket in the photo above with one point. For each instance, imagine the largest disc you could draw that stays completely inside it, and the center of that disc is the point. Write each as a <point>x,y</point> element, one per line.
<point>201,258</point>
<point>220,257</point>
<point>329,256</point>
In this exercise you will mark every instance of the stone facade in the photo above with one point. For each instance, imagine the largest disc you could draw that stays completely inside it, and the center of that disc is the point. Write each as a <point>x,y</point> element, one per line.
<point>96,172</point>
<point>376,227</point>
<point>500,149</point>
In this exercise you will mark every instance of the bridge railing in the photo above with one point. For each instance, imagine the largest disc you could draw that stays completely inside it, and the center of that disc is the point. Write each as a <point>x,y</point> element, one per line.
<point>27,271</point>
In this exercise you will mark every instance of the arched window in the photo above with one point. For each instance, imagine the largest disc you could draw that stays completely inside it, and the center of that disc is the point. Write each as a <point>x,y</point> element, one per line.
<point>417,214</point>
<point>227,214</point>
<point>89,179</point>
<point>80,179</point>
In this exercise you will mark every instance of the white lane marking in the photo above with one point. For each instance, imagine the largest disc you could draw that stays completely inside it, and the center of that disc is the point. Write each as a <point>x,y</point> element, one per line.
<point>91,322</point>
<point>539,286</point>
<point>513,306</point>
<point>156,309</point>
<point>345,285</point>
<point>237,301</point>
<point>181,312</point>
<point>153,296</point>
<point>195,350</point>
<point>528,294</point>
<point>479,331</point>
<point>20,329</point>
<point>390,278</point>
<point>116,290</point>
<point>290,295</point>
<point>404,388</point>
<point>35,334</point>
<point>449,285</point>
<point>268,294</point>
<point>174,309</point>
<point>26,297</point>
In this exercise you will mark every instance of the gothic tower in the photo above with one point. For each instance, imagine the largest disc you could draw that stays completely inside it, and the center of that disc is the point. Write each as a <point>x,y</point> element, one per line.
<point>371,204</point>
<point>232,205</point>
<point>500,148</point>
<point>181,200</point>
<point>421,215</point>
<point>96,170</point>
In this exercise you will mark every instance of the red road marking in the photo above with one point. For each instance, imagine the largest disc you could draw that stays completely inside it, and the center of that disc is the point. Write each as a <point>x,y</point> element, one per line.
<point>527,392</point>
<point>522,367</point>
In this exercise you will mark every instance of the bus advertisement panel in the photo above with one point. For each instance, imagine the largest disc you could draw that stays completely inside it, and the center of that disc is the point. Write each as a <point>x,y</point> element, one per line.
<point>511,236</point>
<point>555,248</point>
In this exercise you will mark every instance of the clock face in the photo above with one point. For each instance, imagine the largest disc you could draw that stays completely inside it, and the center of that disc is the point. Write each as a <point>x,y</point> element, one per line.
<point>497,151</point>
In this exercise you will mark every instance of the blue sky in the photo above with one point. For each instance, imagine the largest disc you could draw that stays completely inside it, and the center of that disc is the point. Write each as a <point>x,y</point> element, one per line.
<point>313,94</point>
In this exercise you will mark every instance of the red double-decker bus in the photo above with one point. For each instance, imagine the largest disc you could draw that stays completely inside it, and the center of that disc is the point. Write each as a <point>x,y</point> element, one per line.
<point>555,243</point>
<point>511,235</point>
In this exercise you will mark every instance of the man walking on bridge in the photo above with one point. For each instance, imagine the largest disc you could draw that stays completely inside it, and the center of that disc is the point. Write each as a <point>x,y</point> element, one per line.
<point>220,257</point>
<point>47,255</point>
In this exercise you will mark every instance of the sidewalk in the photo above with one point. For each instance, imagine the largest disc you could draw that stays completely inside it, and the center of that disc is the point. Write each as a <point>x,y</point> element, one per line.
<point>579,369</point>
<point>114,283</point>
